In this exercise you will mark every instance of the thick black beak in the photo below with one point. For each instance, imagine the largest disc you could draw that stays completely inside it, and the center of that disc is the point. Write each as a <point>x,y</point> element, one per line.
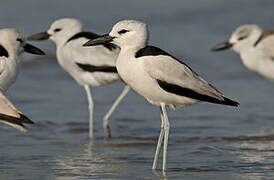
<point>222,46</point>
<point>100,40</point>
<point>39,36</point>
<point>32,49</point>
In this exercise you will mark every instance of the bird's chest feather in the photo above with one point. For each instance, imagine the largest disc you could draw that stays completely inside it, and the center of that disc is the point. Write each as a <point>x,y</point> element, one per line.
<point>9,74</point>
<point>127,69</point>
<point>132,71</point>
<point>252,58</point>
<point>12,69</point>
<point>65,59</point>
<point>259,62</point>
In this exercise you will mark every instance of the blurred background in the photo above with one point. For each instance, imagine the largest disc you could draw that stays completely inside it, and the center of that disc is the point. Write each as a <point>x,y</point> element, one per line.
<point>207,141</point>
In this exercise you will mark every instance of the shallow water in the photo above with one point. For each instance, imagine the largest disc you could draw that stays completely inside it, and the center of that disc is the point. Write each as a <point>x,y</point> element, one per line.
<point>206,141</point>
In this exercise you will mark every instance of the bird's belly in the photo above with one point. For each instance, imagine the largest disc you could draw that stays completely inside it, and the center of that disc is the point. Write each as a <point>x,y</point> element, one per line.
<point>96,78</point>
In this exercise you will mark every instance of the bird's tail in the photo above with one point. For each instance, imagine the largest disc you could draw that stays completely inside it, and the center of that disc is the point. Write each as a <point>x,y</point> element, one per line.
<point>16,122</point>
<point>228,102</point>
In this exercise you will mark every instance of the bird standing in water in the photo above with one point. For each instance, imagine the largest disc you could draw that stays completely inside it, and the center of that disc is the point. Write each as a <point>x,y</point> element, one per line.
<point>90,67</point>
<point>157,76</point>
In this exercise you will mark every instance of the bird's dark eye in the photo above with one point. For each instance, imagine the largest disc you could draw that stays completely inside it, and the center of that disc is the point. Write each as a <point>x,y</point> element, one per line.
<point>242,38</point>
<point>20,40</point>
<point>123,31</point>
<point>57,29</point>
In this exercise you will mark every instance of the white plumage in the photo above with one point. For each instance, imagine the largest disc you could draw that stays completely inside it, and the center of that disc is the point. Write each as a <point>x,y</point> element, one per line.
<point>157,76</point>
<point>6,108</point>
<point>12,44</point>
<point>90,67</point>
<point>72,52</point>
<point>255,47</point>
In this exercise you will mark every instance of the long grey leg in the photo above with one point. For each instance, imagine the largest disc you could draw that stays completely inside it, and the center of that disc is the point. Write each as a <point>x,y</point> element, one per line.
<point>113,107</point>
<point>90,106</point>
<point>166,129</point>
<point>160,140</point>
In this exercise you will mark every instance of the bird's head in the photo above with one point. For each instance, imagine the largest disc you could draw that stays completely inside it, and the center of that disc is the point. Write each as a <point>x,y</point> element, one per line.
<point>60,31</point>
<point>12,44</point>
<point>125,33</point>
<point>243,38</point>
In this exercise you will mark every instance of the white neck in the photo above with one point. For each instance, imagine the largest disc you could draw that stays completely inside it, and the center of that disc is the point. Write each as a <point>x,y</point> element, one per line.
<point>131,49</point>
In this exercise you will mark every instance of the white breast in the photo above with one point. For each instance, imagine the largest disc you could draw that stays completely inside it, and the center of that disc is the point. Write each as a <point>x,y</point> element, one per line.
<point>256,60</point>
<point>9,71</point>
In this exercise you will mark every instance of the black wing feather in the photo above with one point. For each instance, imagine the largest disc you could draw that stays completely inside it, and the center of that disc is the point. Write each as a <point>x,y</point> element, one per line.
<point>150,51</point>
<point>15,120</point>
<point>181,91</point>
<point>91,68</point>
<point>155,51</point>
<point>3,51</point>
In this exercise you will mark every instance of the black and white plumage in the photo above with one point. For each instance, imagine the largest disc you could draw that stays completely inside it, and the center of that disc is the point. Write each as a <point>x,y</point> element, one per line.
<point>90,67</point>
<point>255,47</point>
<point>12,44</point>
<point>157,76</point>
<point>11,116</point>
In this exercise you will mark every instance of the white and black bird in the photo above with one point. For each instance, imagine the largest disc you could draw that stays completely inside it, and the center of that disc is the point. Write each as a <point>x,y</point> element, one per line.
<point>90,67</point>
<point>12,44</point>
<point>255,46</point>
<point>157,76</point>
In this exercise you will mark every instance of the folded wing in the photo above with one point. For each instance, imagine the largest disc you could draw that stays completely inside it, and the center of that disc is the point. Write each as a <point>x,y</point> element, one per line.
<point>11,116</point>
<point>177,78</point>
